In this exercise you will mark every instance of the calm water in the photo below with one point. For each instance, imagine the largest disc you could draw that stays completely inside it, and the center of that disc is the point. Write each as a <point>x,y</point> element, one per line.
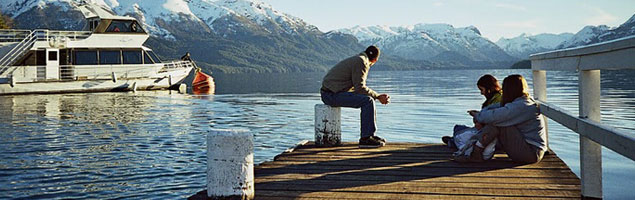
<point>151,145</point>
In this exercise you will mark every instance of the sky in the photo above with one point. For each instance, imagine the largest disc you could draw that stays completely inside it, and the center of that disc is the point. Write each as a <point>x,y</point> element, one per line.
<point>494,18</point>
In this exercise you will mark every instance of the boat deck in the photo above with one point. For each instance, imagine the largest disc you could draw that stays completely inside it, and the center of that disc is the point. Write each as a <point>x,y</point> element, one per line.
<point>408,171</point>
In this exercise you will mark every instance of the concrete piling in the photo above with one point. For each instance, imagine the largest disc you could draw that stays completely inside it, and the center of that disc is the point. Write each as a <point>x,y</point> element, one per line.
<point>230,164</point>
<point>328,125</point>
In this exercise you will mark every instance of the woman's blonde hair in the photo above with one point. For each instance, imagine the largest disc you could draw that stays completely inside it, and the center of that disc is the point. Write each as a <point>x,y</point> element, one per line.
<point>514,86</point>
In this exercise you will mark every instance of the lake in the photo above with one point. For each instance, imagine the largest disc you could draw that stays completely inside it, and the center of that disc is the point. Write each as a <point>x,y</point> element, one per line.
<point>151,144</point>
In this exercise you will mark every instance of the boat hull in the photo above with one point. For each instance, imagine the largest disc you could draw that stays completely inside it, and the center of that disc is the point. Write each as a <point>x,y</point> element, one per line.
<point>160,81</point>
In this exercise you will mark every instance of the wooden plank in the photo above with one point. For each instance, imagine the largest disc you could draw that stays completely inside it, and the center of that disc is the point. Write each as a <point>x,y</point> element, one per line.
<point>464,183</point>
<point>440,197</point>
<point>393,158</point>
<point>454,179</point>
<point>496,163</point>
<point>425,184</point>
<point>391,196</point>
<point>459,189</point>
<point>425,173</point>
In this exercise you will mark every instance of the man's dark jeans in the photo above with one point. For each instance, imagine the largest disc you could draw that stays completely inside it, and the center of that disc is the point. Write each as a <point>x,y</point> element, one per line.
<point>354,100</point>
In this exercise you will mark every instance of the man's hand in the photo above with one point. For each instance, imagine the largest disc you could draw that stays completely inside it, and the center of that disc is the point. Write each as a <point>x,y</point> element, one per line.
<point>384,99</point>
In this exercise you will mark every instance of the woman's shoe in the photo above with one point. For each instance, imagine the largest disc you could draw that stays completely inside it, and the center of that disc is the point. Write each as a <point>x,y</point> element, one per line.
<point>475,157</point>
<point>449,141</point>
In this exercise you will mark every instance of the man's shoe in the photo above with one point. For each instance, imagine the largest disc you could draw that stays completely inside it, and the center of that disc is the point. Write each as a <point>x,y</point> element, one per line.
<point>370,142</point>
<point>379,138</point>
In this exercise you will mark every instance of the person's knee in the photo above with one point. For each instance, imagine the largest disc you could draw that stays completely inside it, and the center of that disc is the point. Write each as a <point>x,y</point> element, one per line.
<point>366,101</point>
<point>370,100</point>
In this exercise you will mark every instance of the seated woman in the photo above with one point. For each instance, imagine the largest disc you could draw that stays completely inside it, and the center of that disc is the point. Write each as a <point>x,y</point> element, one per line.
<point>491,89</point>
<point>516,123</point>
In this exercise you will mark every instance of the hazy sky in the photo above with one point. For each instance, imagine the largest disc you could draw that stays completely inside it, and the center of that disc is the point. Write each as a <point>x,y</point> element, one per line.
<point>494,18</point>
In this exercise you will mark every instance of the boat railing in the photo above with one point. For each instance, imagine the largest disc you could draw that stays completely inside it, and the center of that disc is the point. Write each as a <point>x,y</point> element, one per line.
<point>179,64</point>
<point>17,51</point>
<point>100,72</point>
<point>587,61</point>
<point>26,39</point>
<point>17,35</point>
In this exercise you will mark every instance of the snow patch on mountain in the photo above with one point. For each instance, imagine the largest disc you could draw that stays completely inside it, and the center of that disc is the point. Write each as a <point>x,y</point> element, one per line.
<point>177,6</point>
<point>527,44</point>
<point>430,41</point>
<point>588,35</point>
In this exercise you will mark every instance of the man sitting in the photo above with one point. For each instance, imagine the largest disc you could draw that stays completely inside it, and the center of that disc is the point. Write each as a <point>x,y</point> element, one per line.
<point>345,86</point>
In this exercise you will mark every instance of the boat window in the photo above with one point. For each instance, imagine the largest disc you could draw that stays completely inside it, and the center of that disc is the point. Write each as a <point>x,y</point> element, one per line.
<point>52,55</point>
<point>85,57</point>
<point>154,57</point>
<point>147,59</point>
<point>94,24</point>
<point>126,26</point>
<point>64,57</point>
<point>40,57</point>
<point>132,57</point>
<point>109,57</point>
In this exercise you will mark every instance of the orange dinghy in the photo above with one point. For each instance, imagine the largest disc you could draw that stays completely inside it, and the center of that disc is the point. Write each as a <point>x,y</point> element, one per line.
<point>203,83</point>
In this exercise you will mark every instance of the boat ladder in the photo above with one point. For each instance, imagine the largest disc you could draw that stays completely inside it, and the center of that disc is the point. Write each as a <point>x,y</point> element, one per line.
<point>18,51</point>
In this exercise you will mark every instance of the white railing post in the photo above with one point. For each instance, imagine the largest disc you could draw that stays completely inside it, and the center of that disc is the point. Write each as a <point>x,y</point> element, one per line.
<point>590,151</point>
<point>540,93</point>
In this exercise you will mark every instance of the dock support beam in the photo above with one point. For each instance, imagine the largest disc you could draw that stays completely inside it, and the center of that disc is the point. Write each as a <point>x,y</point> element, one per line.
<point>328,125</point>
<point>230,164</point>
<point>590,151</point>
<point>540,93</point>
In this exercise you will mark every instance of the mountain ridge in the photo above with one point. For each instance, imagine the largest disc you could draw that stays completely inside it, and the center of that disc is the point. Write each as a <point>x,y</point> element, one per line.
<point>433,42</point>
<point>526,44</point>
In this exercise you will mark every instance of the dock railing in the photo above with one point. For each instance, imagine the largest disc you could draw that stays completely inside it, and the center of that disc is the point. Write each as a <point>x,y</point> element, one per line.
<point>588,61</point>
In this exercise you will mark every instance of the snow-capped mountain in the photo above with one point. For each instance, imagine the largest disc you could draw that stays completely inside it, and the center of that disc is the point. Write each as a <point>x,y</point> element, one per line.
<point>588,35</point>
<point>153,14</point>
<point>595,34</point>
<point>524,45</point>
<point>433,42</point>
<point>222,35</point>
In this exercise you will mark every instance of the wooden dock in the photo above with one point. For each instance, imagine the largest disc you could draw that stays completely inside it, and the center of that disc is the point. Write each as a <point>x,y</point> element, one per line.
<point>408,171</point>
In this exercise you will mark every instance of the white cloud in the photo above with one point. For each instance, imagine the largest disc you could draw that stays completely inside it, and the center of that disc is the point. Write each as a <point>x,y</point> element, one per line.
<point>510,6</point>
<point>438,3</point>
<point>600,17</point>
<point>520,24</point>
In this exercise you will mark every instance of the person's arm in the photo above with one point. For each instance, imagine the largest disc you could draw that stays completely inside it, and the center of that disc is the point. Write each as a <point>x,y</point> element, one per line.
<point>360,73</point>
<point>511,114</point>
<point>496,116</point>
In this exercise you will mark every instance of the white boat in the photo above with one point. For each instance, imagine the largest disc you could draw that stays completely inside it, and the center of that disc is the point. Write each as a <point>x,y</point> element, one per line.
<point>107,56</point>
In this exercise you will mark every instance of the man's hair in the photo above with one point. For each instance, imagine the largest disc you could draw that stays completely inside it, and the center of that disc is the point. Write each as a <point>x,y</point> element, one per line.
<point>514,86</point>
<point>372,52</point>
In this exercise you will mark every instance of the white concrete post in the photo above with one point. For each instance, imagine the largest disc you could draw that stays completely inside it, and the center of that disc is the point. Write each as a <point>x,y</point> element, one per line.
<point>230,164</point>
<point>328,125</point>
<point>540,93</point>
<point>590,151</point>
